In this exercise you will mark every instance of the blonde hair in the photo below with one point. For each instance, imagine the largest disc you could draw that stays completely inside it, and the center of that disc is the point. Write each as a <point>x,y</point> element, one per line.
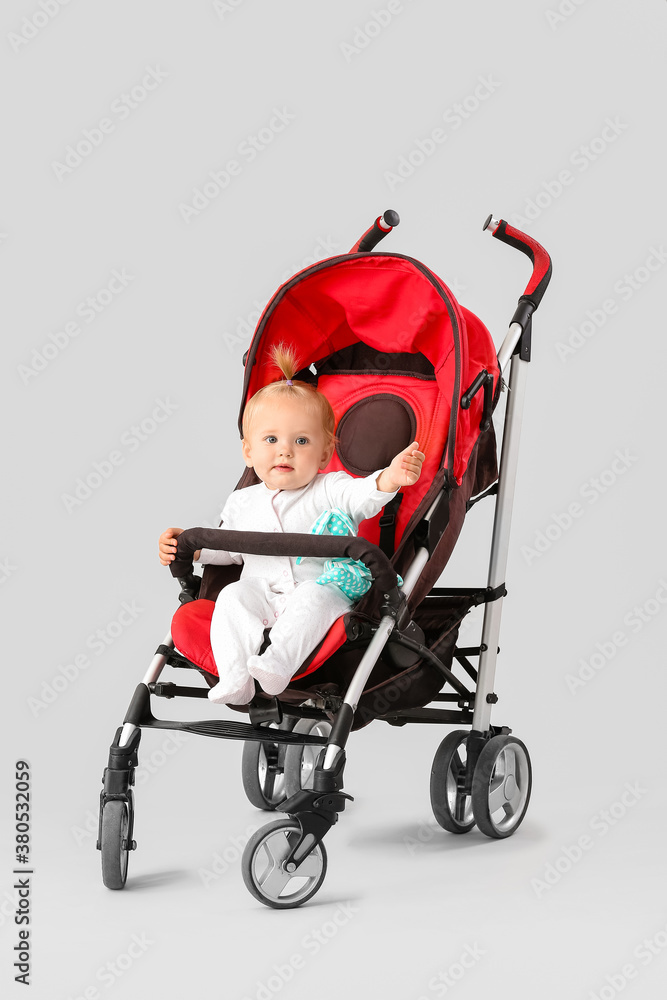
<point>285,359</point>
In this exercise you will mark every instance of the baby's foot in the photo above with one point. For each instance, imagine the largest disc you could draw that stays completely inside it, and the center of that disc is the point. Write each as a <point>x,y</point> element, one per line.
<point>272,679</point>
<point>221,694</point>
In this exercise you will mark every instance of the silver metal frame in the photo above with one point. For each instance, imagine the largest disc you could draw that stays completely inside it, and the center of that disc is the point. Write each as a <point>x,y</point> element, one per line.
<point>501,524</point>
<point>154,670</point>
<point>497,560</point>
<point>497,565</point>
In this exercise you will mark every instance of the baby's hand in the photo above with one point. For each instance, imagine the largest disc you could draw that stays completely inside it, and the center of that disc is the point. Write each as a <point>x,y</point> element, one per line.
<point>167,545</point>
<point>404,470</point>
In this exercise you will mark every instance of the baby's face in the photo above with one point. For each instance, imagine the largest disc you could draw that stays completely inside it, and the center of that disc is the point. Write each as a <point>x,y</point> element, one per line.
<point>285,445</point>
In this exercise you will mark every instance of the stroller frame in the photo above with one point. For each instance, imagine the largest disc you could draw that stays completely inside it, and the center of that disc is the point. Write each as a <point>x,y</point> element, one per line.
<point>482,771</point>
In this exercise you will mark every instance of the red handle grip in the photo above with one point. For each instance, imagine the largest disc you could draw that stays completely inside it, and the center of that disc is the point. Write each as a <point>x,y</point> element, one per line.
<point>382,226</point>
<point>541,275</point>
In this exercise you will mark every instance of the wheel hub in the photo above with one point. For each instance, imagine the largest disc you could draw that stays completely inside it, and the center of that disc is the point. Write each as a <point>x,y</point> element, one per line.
<point>510,787</point>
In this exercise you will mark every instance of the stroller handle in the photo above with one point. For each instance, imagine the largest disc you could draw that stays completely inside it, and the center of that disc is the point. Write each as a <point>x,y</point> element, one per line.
<point>541,275</point>
<point>382,226</point>
<point>284,544</point>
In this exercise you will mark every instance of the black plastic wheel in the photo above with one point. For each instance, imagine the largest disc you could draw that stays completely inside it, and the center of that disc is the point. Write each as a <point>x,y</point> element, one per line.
<point>263,771</point>
<point>452,808</point>
<point>263,871</point>
<point>501,786</point>
<point>114,844</point>
<point>300,761</point>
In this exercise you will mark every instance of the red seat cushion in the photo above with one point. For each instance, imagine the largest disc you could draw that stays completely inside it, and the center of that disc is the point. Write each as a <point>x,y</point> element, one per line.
<point>191,629</point>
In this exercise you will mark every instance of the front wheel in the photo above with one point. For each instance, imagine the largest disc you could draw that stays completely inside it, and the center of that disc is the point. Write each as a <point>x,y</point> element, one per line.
<point>501,786</point>
<point>114,843</point>
<point>266,875</point>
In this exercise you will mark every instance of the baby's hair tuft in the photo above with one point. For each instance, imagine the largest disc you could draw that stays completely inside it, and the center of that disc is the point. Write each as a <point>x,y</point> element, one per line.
<point>285,359</point>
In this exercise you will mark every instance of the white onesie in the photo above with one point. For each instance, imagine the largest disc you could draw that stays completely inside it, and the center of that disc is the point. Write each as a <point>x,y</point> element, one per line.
<point>273,591</point>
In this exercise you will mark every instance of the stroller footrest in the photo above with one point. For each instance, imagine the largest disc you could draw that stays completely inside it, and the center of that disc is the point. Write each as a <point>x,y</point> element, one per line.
<point>230,730</point>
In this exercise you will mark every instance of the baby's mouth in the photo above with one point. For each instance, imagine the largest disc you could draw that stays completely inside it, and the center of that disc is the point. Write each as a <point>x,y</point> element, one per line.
<point>283,468</point>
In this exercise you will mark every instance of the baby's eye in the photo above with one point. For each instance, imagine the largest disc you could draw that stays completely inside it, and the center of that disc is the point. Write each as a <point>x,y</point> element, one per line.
<point>270,439</point>
<point>302,440</point>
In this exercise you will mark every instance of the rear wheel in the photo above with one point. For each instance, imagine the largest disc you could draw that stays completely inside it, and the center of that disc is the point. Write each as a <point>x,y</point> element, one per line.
<point>263,771</point>
<point>501,786</point>
<point>451,806</point>
<point>300,760</point>
<point>114,843</point>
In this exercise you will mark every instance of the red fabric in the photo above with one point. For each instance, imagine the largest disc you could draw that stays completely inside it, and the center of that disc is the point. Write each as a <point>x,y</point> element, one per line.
<point>432,414</point>
<point>387,302</point>
<point>481,354</point>
<point>191,630</point>
<point>334,639</point>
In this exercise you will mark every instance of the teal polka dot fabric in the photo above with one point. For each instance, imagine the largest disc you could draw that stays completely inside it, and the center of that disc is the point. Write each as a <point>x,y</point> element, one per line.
<point>350,575</point>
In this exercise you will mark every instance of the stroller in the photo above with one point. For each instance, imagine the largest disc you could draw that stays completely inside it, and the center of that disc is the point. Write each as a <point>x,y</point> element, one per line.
<point>399,360</point>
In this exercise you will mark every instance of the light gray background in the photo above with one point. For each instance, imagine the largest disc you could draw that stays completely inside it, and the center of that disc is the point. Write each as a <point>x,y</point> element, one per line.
<point>416,897</point>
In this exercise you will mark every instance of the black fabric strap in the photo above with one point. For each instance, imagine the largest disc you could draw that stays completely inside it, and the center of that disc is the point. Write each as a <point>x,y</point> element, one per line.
<point>388,525</point>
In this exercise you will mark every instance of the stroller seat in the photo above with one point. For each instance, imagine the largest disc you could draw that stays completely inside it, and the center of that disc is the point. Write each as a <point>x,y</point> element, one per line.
<point>191,627</point>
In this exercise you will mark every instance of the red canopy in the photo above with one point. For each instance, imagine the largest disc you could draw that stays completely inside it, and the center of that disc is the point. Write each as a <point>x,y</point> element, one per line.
<point>393,304</point>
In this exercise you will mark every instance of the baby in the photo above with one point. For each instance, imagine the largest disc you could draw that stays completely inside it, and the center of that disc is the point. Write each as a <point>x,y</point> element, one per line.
<point>288,436</point>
